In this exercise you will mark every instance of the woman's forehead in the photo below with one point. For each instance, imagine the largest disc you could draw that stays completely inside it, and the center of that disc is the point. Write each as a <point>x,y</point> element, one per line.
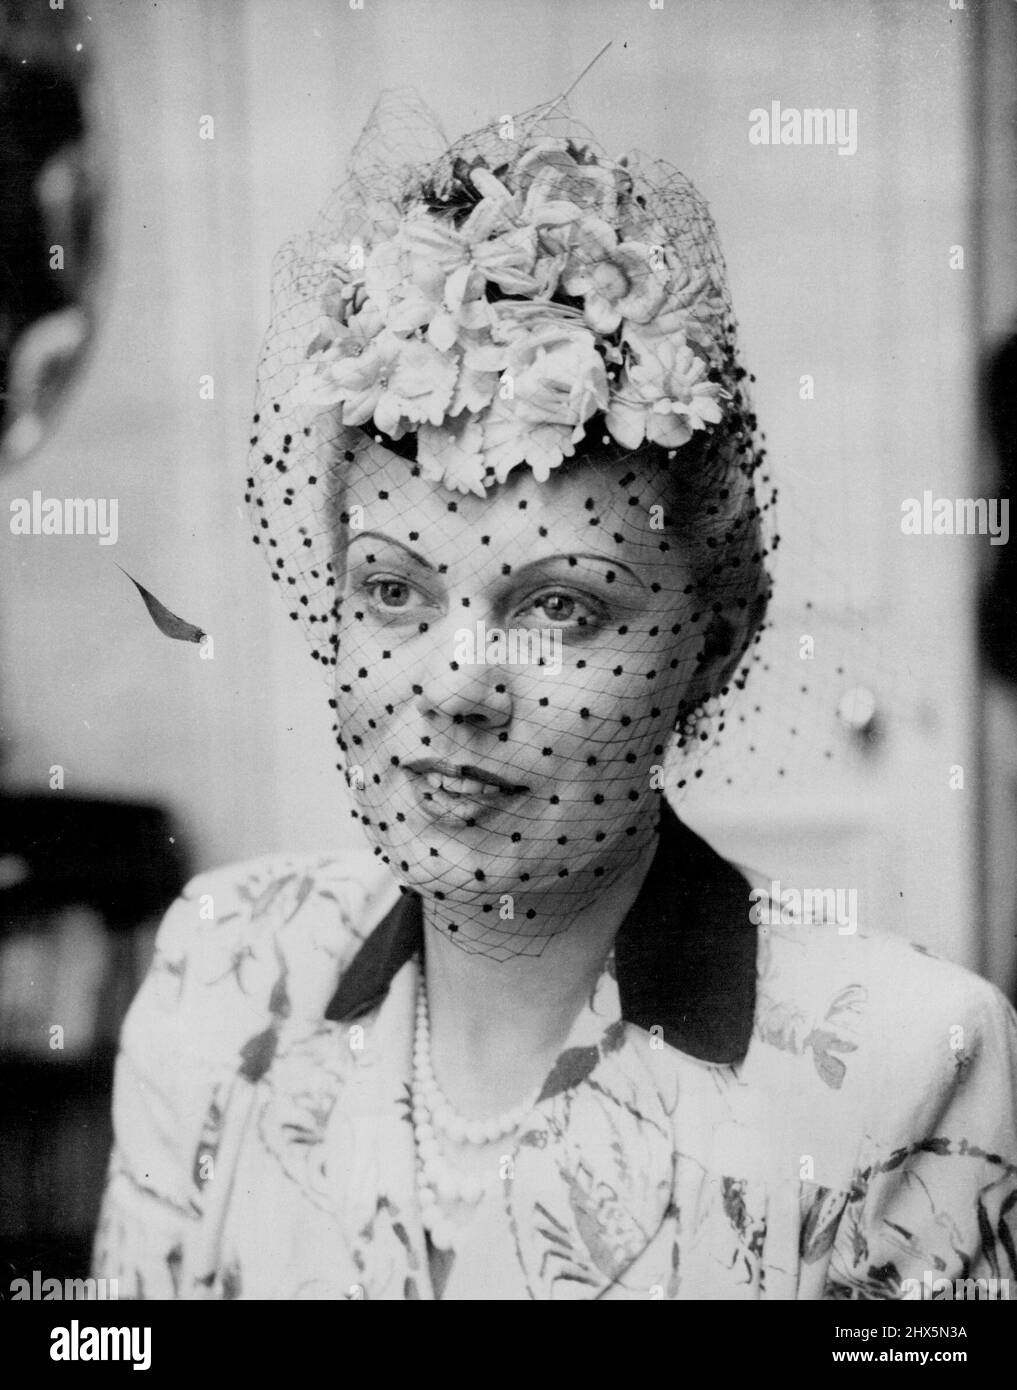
<point>609,509</point>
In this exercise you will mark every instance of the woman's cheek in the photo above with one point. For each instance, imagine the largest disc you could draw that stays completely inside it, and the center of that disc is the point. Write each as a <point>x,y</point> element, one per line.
<point>589,717</point>
<point>626,704</point>
<point>616,684</point>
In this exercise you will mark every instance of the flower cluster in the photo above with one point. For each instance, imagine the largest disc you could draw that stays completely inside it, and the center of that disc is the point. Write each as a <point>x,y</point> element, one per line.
<point>497,316</point>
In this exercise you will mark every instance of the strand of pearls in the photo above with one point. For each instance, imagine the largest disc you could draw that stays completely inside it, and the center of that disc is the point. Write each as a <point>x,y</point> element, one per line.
<point>440,1184</point>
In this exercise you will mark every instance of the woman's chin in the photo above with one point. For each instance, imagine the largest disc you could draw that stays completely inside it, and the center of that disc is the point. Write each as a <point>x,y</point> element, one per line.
<point>504,888</point>
<point>447,877</point>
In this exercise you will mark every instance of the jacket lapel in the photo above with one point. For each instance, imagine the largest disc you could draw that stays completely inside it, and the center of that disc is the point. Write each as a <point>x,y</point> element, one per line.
<point>370,1157</point>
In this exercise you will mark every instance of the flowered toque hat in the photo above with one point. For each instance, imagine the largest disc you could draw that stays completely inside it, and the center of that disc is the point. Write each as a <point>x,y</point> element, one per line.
<point>511,300</point>
<point>514,300</point>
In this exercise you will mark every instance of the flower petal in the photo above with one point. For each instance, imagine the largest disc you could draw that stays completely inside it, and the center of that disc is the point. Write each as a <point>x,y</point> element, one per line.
<point>602,316</point>
<point>626,424</point>
<point>670,431</point>
<point>442,331</point>
<point>453,456</point>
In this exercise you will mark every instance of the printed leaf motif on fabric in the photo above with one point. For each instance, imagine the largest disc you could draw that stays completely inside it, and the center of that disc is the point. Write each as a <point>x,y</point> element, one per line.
<point>821,1222</point>
<point>785,1024</point>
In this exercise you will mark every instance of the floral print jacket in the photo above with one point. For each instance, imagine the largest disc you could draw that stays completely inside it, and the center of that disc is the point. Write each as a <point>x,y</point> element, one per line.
<point>778,1112</point>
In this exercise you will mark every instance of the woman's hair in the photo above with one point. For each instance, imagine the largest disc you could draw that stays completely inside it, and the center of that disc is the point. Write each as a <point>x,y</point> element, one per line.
<point>720,529</point>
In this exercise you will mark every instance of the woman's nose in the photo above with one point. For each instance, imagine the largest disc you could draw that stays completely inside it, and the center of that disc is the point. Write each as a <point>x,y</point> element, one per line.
<point>461,685</point>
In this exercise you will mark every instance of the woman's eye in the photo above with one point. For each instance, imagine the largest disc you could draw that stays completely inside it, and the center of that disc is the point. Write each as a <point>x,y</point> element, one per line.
<point>560,608</point>
<point>391,595</point>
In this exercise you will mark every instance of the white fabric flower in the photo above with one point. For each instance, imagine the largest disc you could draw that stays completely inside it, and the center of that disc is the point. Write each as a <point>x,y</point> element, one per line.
<point>556,373</point>
<point>452,454</point>
<point>510,439</point>
<point>384,272</point>
<point>418,387</point>
<point>473,251</point>
<point>480,369</point>
<point>322,383</point>
<point>359,382</point>
<point>350,338</point>
<point>547,174</point>
<point>617,280</point>
<point>394,382</point>
<point>554,380</point>
<point>664,397</point>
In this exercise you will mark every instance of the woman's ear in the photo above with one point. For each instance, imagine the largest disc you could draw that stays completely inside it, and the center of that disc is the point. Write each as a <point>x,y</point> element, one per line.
<point>714,664</point>
<point>725,643</point>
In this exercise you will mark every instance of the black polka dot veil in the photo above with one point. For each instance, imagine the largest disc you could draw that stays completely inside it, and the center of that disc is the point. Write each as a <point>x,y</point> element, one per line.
<point>505,473</point>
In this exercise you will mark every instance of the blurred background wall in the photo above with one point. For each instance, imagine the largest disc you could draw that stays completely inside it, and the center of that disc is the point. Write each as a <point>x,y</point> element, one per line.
<point>221,128</point>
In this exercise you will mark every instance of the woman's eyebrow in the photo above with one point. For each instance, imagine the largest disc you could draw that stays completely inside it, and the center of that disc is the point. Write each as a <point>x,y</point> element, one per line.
<point>390,540</point>
<point>563,558</point>
<point>571,557</point>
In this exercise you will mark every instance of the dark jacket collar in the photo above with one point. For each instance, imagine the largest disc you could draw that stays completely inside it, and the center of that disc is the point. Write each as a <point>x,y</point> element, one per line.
<point>685,955</point>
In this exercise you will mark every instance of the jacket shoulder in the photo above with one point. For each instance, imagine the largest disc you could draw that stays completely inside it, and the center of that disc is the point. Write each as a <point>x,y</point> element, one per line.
<point>265,938</point>
<point>247,951</point>
<point>270,892</point>
<point>881,1017</point>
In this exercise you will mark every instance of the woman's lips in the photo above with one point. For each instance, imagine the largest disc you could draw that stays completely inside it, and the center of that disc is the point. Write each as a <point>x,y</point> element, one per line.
<point>458,795</point>
<point>462,786</point>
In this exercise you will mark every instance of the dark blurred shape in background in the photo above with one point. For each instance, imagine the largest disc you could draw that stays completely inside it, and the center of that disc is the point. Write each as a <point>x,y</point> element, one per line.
<point>50,204</point>
<point>83,884</point>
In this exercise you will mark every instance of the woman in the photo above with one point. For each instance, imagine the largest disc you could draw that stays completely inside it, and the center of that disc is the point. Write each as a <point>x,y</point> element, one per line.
<point>534,1042</point>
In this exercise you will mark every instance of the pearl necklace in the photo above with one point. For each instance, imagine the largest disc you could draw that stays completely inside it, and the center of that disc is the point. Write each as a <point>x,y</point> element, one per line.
<point>439,1182</point>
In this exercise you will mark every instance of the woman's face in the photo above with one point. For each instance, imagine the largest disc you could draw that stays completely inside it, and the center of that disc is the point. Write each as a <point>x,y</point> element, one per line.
<point>521,767</point>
